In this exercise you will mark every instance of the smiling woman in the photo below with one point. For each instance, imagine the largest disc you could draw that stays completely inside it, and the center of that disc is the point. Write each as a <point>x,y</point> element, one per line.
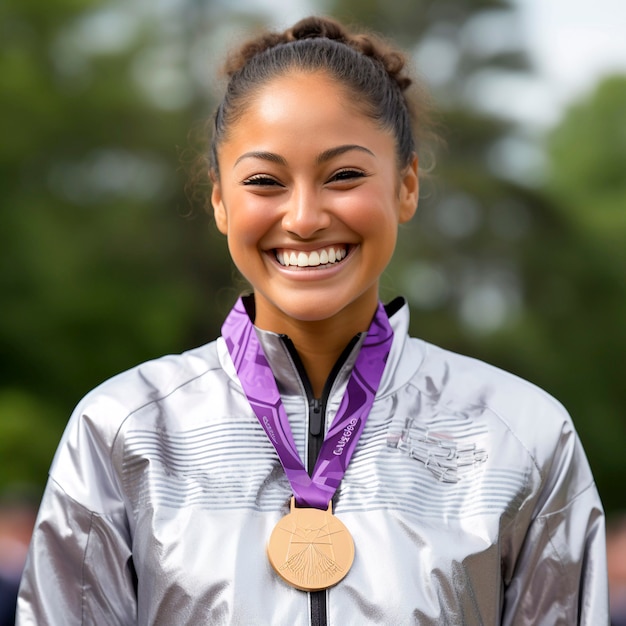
<point>336,194</point>
<point>315,464</point>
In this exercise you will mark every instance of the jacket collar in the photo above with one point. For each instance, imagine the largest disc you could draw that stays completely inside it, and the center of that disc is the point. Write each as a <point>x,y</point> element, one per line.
<point>285,366</point>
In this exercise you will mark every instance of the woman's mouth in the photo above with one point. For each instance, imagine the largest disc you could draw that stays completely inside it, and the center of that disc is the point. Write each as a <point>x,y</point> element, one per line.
<point>315,258</point>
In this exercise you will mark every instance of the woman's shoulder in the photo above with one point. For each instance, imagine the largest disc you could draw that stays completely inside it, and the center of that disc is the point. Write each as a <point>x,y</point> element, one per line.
<point>522,406</point>
<point>453,379</point>
<point>88,445</point>
<point>152,380</point>
<point>520,425</point>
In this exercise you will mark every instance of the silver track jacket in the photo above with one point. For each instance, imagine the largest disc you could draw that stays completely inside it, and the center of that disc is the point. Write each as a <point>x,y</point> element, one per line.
<point>469,499</point>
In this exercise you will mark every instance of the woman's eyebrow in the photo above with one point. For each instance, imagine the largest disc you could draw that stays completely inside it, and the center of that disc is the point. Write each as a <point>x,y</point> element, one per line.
<point>265,156</point>
<point>331,153</point>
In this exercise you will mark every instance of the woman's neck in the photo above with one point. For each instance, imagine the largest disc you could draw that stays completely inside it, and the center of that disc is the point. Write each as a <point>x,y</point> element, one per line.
<point>319,343</point>
<point>319,353</point>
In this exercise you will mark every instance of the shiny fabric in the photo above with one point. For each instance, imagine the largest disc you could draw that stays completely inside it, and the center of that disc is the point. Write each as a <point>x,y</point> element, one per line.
<point>469,499</point>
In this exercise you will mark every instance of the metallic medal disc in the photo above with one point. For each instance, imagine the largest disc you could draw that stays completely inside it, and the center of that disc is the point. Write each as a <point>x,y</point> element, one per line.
<point>310,548</point>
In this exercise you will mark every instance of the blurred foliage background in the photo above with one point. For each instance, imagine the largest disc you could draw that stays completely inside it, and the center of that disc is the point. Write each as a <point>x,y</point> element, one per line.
<point>517,255</point>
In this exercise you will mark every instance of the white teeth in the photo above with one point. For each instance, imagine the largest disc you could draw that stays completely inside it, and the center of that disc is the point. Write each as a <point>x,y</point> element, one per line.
<point>312,259</point>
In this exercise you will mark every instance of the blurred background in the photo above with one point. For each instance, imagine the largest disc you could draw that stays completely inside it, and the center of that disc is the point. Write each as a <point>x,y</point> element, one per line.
<point>517,255</point>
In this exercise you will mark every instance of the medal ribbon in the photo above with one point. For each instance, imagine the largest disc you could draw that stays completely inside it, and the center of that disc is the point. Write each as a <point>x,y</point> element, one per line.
<point>260,387</point>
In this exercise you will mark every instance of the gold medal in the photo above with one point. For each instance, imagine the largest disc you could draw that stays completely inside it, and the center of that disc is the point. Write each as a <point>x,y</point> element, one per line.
<point>310,548</point>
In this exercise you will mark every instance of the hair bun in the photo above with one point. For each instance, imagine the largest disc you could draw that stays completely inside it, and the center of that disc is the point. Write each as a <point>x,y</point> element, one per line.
<point>314,27</point>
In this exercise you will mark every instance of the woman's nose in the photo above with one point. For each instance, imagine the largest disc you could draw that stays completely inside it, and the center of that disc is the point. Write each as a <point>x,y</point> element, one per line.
<point>305,214</point>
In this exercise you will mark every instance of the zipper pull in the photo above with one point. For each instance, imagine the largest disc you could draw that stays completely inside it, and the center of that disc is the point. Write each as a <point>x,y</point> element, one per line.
<point>315,417</point>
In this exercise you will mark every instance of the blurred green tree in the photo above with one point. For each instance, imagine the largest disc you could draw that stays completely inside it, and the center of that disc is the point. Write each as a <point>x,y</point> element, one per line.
<point>587,163</point>
<point>99,267</point>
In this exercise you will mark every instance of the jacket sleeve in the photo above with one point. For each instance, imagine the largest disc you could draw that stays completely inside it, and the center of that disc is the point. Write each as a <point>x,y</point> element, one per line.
<point>560,574</point>
<point>79,569</point>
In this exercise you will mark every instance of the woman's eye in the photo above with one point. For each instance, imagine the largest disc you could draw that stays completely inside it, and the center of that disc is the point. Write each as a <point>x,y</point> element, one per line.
<point>261,181</point>
<point>346,175</point>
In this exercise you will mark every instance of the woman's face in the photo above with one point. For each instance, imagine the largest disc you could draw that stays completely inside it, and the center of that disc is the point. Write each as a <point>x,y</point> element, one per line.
<point>310,198</point>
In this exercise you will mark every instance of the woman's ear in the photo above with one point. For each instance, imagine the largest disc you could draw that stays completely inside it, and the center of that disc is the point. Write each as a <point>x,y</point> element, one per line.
<point>409,191</point>
<point>219,211</point>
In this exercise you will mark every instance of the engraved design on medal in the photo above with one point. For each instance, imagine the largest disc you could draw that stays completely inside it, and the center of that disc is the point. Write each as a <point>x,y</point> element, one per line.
<point>310,548</point>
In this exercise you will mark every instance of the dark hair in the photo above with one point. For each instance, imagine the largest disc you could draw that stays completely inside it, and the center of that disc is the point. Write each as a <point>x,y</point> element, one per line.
<point>364,64</point>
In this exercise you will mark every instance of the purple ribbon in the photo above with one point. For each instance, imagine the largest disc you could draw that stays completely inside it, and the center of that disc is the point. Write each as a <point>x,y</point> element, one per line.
<point>260,387</point>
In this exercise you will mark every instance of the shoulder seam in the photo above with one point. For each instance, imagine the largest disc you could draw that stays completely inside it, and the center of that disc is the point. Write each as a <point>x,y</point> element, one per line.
<point>155,400</point>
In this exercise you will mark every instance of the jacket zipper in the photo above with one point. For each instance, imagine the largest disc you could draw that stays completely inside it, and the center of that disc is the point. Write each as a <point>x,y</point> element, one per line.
<point>317,419</point>
<point>316,432</point>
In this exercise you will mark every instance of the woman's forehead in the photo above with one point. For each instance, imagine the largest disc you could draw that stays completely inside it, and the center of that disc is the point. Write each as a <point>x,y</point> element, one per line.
<point>310,112</point>
<point>309,81</point>
<point>309,95</point>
